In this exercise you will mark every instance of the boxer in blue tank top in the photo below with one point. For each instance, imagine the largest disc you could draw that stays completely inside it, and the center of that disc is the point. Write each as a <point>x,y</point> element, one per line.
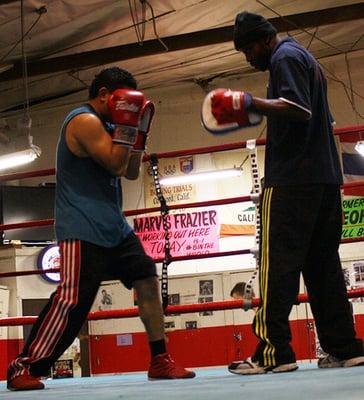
<point>96,243</point>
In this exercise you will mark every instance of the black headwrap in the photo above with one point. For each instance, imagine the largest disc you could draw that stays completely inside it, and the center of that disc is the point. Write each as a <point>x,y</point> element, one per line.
<point>251,27</point>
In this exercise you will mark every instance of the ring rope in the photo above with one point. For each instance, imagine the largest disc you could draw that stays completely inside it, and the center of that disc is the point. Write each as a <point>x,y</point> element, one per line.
<point>156,260</point>
<point>217,202</point>
<point>159,260</point>
<point>176,309</point>
<point>201,150</point>
<point>128,213</point>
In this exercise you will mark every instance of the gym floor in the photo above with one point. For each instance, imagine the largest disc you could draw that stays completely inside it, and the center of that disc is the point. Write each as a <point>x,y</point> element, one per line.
<point>308,383</point>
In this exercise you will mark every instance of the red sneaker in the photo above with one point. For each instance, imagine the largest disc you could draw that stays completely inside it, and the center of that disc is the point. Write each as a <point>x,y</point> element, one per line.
<point>163,367</point>
<point>25,382</point>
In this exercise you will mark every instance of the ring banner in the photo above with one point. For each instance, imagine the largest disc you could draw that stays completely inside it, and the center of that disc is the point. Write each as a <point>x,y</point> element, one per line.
<point>174,194</point>
<point>190,233</point>
<point>353,226</point>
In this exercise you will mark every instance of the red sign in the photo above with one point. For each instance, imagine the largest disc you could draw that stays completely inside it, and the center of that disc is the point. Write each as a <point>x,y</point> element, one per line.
<point>188,233</point>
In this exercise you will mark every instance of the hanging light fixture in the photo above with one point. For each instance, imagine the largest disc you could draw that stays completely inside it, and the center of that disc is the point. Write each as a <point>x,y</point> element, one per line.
<point>19,158</point>
<point>25,123</point>
<point>201,176</point>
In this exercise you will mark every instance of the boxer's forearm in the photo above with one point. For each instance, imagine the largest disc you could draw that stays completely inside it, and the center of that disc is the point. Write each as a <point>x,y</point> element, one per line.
<point>279,108</point>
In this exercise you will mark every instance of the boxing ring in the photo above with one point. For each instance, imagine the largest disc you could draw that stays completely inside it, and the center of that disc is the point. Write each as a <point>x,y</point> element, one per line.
<point>210,383</point>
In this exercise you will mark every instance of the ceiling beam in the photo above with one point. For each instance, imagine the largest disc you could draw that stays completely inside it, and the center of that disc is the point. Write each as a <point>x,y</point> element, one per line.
<point>93,58</point>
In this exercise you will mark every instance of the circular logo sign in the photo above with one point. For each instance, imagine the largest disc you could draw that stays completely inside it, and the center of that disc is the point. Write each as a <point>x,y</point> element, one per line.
<point>49,258</point>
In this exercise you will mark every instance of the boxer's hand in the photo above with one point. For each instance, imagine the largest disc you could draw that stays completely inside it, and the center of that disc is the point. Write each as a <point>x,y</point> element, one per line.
<point>125,108</point>
<point>229,106</point>
<point>225,110</point>
<point>146,117</point>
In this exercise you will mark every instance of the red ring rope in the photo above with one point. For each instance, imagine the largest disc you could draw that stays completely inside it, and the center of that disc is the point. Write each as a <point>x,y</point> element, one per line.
<point>177,309</point>
<point>241,199</point>
<point>200,150</point>
<point>159,260</point>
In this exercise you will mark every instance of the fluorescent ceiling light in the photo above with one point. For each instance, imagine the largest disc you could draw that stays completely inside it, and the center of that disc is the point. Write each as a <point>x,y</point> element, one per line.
<point>19,158</point>
<point>359,147</point>
<point>201,176</point>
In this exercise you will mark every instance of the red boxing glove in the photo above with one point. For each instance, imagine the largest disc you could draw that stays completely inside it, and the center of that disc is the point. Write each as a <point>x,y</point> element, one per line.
<point>146,117</point>
<point>229,106</point>
<point>125,107</point>
<point>225,110</point>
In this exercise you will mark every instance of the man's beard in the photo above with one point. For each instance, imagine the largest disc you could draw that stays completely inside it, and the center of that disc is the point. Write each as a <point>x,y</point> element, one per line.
<point>262,63</point>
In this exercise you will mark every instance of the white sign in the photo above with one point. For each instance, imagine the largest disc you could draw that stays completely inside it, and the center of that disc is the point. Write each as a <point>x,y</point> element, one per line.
<point>49,258</point>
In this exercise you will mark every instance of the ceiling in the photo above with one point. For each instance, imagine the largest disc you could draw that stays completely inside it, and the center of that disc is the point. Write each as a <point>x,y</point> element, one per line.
<point>162,42</point>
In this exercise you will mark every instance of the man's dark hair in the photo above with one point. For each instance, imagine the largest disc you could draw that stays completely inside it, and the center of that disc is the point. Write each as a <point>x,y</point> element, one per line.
<point>112,78</point>
<point>239,289</point>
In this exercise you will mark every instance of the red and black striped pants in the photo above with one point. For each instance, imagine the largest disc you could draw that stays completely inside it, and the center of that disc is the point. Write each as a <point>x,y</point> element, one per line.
<point>83,266</point>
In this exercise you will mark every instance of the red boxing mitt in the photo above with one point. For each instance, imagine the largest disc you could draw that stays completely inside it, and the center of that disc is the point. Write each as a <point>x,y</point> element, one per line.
<point>225,110</point>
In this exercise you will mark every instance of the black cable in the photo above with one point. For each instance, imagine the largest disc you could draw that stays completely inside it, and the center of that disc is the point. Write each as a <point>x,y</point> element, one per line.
<point>24,62</point>
<point>155,25</point>
<point>350,98</point>
<point>23,36</point>
<point>134,18</point>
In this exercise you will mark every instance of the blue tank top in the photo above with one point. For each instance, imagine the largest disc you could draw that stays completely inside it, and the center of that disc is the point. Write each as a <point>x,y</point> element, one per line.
<point>88,198</point>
